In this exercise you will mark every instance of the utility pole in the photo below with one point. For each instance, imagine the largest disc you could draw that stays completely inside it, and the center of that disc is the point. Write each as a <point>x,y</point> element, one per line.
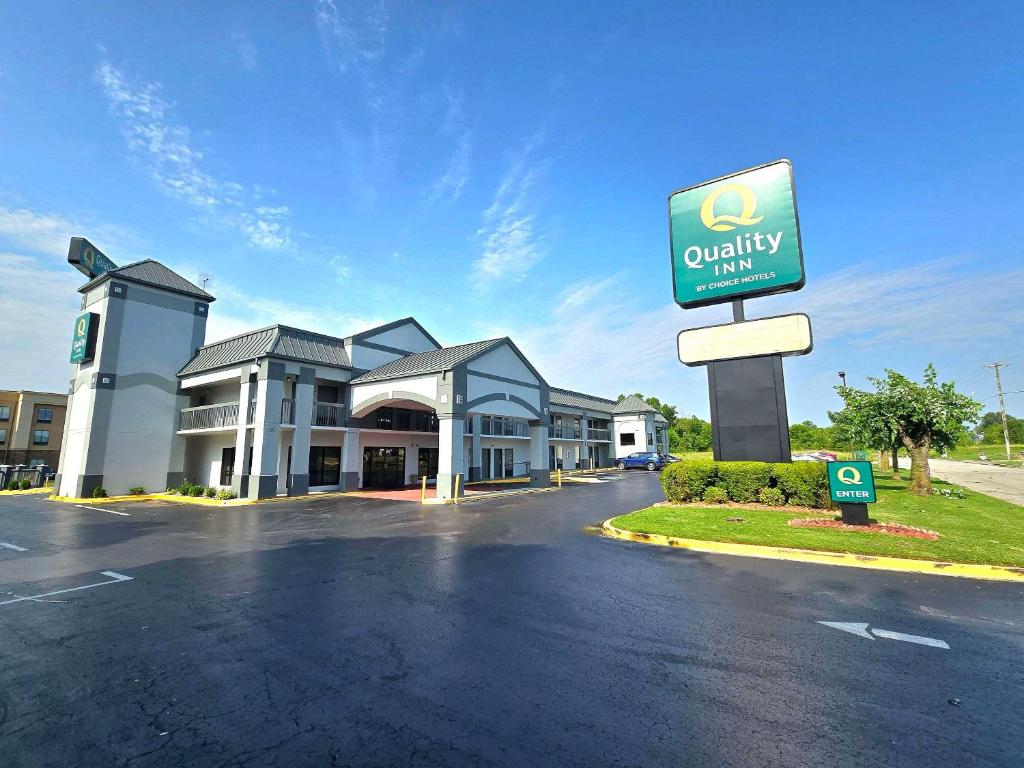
<point>1002,407</point>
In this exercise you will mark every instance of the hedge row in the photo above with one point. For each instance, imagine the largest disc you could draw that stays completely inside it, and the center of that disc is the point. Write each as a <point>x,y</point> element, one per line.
<point>802,483</point>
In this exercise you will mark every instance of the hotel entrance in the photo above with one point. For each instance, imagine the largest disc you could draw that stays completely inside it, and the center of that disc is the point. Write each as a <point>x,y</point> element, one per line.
<point>383,467</point>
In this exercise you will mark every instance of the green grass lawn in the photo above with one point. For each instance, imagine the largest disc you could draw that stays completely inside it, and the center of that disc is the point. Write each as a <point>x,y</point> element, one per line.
<point>978,529</point>
<point>994,452</point>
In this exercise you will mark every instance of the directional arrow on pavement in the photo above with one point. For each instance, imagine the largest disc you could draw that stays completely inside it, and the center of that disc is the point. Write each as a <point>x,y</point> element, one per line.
<point>861,630</point>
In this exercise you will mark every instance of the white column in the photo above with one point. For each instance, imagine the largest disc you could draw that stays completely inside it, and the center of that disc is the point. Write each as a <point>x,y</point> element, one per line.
<point>540,474</point>
<point>450,459</point>
<point>266,441</point>
<point>239,477</point>
<point>351,461</point>
<point>298,483</point>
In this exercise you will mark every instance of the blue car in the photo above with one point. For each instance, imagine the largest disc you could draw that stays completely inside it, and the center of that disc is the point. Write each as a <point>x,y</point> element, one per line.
<point>643,460</point>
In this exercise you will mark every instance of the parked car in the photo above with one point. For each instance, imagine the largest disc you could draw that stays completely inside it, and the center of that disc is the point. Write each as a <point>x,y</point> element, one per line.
<point>641,460</point>
<point>815,456</point>
<point>669,458</point>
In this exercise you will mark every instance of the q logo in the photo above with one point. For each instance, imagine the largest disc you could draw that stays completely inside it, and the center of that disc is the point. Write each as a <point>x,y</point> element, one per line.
<point>81,329</point>
<point>725,222</point>
<point>848,476</point>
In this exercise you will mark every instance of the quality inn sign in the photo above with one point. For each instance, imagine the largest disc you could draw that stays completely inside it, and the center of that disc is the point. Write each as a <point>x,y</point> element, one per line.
<point>736,236</point>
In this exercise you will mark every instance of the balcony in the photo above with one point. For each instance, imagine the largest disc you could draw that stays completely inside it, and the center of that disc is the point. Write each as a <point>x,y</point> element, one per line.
<point>504,428</point>
<point>221,416</point>
<point>599,434</point>
<point>328,415</point>
<point>564,432</point>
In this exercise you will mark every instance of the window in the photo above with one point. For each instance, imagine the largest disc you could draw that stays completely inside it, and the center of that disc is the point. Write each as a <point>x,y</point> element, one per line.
<point>5,413</point>
<point>627,438</point>
<point>227,465</point>
<point>325,465</point>
<point>650,439</point>
<point>41,437</point>
<point>426,462</point>
<point>44,415</point>
<point>35,462</point>
<point>3,436</point>
<point>326,393</point>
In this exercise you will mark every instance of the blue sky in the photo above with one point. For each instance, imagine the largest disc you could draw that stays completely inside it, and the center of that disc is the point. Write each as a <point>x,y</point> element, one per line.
<point>502,169</point>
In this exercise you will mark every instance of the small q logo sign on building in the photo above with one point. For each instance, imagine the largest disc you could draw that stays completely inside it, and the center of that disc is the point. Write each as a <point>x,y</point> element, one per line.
<point>724,222</point>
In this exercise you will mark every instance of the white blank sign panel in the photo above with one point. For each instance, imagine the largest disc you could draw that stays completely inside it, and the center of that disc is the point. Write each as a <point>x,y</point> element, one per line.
<point>783,335</point>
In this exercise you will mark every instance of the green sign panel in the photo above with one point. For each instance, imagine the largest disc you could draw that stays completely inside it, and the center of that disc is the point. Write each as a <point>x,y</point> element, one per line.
<point>736,236</point>
<point>83,343</point>
<point>88,259</point>
<point>860,455</point>
<point>851,482</point>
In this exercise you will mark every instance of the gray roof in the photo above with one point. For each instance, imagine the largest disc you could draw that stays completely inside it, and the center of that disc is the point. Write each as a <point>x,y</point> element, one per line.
<point>149,272</point>
<point>272,341</point>
<point>434,361</point>
<point>570,399</point>
<point>371,332</point>
<point>633,404</point>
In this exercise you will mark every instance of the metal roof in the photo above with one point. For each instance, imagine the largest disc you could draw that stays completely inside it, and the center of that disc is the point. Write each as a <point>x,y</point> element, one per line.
<point>150,272</point>
<point>570,399</point>
<point>434,361</point>
<point>272,341</point>
<point>633,404</point>
<point>376,331</point>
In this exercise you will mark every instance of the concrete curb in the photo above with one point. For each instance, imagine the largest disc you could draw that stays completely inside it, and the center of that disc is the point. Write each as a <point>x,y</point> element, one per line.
<point>903,565</point>
<point>25,492</point>
<point>197,500</point>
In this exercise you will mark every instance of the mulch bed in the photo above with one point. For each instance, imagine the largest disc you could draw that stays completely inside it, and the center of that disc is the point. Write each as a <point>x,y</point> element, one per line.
<point>893,529</point>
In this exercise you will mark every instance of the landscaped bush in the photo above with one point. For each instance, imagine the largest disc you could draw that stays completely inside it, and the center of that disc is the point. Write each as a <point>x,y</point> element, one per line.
<point>25,483</point>
<point>805,483</point>
<point>137,490</point>
<point>686,480</point>
<point>196,490</point>
<point>773,497</point>
<point>225,494</point>
<point>13,485</point>
<point>210,492</point>
<point>800,483</point>
<point>716,495</point>
<point>99,492</point>
<point>174,491</point>
<point>743,479</point>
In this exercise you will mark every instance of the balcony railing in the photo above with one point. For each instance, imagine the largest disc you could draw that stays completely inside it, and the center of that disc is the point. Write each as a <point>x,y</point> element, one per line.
<point>599,434</point>
<point>328,415</point>
<point>504,428</point>
<point>250,414</point>
<point>287,410</point>
<point>565,432</point>
<point>209,416</point>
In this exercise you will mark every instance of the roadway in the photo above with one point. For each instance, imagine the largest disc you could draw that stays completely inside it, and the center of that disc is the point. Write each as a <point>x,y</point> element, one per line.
<point>1005,483</point>
<point>504,632</point>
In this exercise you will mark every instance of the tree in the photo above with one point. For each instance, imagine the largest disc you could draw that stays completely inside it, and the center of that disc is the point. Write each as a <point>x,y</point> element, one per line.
<point>863,422</point>
<point>991,430</point>
<point>807,434</point>
<point>921,416</point>
<point>692,434</point>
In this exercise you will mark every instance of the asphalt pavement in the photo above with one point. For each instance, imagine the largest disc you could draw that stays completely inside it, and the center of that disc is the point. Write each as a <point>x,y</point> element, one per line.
<point>504,632</point>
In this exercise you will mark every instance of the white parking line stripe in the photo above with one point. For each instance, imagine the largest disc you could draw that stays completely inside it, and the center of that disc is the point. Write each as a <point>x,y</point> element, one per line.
<point>101,509</point>
<point>890,635</point>
<point>116,577</point>
<point>15,547</point>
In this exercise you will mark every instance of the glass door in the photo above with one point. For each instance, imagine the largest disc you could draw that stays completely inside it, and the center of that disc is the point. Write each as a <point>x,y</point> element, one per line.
<point>498,465</point>
<point>383,467</point>
<point>485,463</point>
<point>426,463</point>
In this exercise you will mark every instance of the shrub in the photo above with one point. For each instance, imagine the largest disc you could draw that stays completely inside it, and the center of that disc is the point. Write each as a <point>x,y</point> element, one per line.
<point>715,495</point>
<point>686,480</point>
<point>99,492</point>
<point>773,497</point>
<point>804,482</point>
<point>225,494</point>
<point>210,493</point>
<point>742,480</point>
<point>13,485</point>
<point>136,490</point>
<point>196,490</point>
<point>25,483</point>
<point>173,491</point>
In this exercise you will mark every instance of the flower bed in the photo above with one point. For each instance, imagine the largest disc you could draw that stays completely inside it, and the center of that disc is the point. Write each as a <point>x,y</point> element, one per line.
<point>893,529</point>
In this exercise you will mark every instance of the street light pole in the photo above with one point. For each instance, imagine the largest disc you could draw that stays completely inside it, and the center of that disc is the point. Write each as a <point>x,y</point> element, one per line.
<point>842,376</point>
<point>1002,406</point>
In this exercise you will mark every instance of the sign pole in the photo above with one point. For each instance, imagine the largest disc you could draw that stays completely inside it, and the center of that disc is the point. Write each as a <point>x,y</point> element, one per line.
<point>737,311</point>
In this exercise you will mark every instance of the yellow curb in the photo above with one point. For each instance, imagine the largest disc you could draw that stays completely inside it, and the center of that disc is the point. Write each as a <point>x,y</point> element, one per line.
<point>904,565</point>
<point>25,492</point>
<point>198,500</point>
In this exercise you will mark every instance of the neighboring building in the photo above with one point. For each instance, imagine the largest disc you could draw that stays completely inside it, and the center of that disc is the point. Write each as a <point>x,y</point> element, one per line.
<point>279,410</point>
<point>31,427</point>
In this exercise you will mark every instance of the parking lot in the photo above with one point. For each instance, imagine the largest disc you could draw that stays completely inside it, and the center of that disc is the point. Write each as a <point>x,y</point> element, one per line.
<point>354,631</point>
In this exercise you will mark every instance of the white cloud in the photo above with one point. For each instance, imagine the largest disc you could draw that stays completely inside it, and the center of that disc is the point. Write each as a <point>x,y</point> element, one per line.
<point>245,49</point>
<point>352,36</point>
<point>50,233</point>
<point>39,306</point>
<point>578,297</point>
<point>511,239</point>
<point>166,149</point>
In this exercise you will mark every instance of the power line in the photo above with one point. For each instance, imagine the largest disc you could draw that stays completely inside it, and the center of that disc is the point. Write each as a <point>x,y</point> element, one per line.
<point>1002,406</point>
